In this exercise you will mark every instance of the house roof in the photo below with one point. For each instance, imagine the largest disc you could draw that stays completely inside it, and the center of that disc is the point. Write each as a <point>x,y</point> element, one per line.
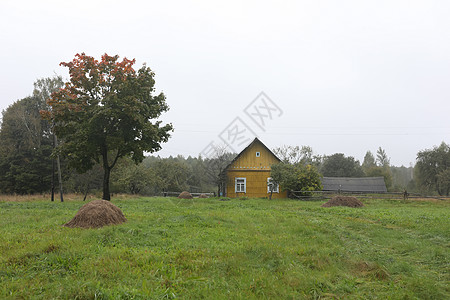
<point>347,184</point>
<point>256,140</point>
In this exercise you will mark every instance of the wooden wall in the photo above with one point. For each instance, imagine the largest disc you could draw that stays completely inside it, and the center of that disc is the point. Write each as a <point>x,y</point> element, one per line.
<point>256,184</point>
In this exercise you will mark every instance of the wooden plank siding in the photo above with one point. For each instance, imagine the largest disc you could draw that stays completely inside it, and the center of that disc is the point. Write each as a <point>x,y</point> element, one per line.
<point>255,169</point>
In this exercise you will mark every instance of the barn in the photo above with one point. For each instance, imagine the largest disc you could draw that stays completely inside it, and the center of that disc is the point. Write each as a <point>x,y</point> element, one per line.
<point>249,173</point>
<point>349,184</point>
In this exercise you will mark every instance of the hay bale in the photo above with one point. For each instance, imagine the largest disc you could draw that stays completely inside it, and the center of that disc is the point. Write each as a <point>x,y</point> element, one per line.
<point>203,196</point>
<point>343,201</point>
<point>96,214</point>
<point>185,195</point>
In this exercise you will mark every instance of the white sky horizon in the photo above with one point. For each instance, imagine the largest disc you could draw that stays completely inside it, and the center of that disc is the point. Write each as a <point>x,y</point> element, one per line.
<point>348,76</point>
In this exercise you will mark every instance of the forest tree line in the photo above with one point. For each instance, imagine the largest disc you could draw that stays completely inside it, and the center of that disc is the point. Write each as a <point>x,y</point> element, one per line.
<point>27,163</point>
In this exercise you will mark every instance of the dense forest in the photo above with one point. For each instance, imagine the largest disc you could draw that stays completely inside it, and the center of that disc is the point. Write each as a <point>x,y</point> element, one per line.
<point>27,165</point>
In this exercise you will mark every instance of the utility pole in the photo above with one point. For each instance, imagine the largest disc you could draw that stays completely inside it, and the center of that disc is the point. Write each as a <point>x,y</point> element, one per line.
<point>53,176</point>
<point>58,165</point>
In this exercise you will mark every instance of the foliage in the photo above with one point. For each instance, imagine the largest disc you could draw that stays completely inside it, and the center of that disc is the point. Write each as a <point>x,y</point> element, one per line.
<point>198,180</point>
<point>215,165</point>
<point>43,89</point>
<point>380,167</point>
<point>382,159</point>
<point>402,178</point>
<point>27,171</point>
<point>131,178</point>
<point>107,111</point>
<point>26,143</point>
<point>368,162</point>
<point>210,249</point>
<point>83,183</point>
<point>385,172</point>
<point>295,154</point>
<point>338,165</point>
<point>296,177</point>
<point>156,175</point>
<point>432,169</point>
<point>22,127</point>
<point>173,174</point>
<point>443,181</point>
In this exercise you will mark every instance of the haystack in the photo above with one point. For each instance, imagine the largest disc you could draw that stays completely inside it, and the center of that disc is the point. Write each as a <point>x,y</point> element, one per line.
<point>185,195</point>
<point>203,196</point>
<point>96,214</point>
<point>343,201</point>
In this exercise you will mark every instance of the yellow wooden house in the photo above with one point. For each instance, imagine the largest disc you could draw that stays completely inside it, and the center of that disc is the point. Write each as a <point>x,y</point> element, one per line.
<point>249,173</point>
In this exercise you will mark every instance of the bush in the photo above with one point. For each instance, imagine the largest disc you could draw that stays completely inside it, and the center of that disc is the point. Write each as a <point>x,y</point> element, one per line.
<point>297,177</point>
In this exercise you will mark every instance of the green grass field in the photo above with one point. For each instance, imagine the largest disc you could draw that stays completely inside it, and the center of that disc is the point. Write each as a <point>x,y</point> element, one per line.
<point>244,249</point>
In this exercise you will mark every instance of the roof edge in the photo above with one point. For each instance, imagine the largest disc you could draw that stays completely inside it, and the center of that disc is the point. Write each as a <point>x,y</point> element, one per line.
<point>365,178</point>
<point>255,140</point>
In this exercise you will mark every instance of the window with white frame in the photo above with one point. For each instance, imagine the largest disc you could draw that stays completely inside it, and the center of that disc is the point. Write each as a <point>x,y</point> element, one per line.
<point>274,186</point>
<point>240,184</point>
<point>258,154</point>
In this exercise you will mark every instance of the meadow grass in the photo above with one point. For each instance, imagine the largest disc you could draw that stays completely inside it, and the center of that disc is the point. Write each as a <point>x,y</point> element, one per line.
<point>212,249</point>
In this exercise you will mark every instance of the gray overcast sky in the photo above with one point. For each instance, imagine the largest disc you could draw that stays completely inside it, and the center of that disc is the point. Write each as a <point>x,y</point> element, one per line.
<point>346,76</point>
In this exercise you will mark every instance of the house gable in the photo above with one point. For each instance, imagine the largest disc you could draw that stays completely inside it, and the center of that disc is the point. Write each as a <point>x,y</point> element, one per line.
<point>247,175</point>
<point>255,156</point>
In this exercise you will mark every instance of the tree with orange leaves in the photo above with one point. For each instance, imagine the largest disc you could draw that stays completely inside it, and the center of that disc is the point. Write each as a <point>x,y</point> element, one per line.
<point>107,111</point>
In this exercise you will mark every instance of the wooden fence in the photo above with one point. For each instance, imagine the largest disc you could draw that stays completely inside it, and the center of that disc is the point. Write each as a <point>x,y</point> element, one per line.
<point>175,194</point>
<point>322,195</point>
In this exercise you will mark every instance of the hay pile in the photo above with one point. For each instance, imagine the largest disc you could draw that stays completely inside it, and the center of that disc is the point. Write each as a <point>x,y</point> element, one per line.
<point>96,214</point>
<point>343,201</point>
<point>203,196</point>
<point>185,195</point>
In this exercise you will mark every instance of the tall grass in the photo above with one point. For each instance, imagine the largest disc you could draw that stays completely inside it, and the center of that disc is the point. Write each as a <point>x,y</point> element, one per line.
<point>66,197</point>
<point>206,248</point>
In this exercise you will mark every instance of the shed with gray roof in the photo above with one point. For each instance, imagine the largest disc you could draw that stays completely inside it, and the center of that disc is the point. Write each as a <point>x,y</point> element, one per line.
<point>348,184</point>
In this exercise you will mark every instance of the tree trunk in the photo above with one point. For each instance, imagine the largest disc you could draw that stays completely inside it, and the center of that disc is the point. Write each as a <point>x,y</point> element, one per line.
<point>58,166</point>
<point>53,179</point>
<point>53,169</point>
<point>86,192</point>
<point>107,172</point>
